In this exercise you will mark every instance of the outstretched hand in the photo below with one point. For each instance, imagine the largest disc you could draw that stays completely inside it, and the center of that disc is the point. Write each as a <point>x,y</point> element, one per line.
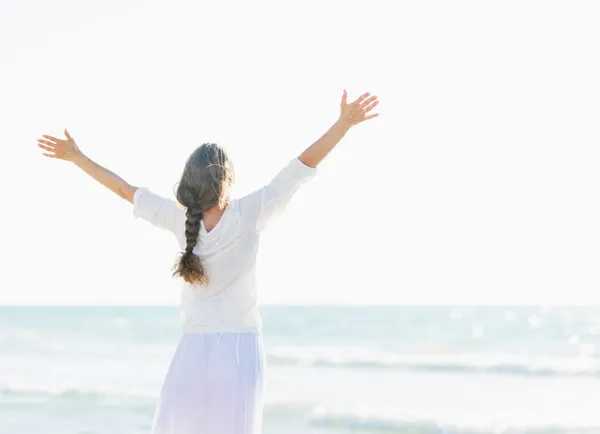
<point>358,111</point>
<point>59,148</point>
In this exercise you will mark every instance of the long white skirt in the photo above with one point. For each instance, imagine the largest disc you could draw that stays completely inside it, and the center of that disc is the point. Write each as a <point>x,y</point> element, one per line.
<point>214,385</point>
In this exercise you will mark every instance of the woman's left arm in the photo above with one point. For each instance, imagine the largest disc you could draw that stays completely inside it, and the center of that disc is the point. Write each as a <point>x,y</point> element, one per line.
<point>69,151</point>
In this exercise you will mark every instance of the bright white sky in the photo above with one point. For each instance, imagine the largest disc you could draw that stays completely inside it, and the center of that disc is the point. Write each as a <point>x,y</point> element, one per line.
<point>478,183</point>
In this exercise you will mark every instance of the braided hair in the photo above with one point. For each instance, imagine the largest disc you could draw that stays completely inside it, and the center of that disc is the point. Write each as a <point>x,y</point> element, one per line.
<point>205,184</point>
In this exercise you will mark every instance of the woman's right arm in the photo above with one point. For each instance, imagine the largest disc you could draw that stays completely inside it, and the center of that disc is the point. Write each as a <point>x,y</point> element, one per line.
<point>350,115</point>
<point>263,206</point>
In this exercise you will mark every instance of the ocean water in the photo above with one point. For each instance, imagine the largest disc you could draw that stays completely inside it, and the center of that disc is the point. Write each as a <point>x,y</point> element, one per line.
<point>98,370</point>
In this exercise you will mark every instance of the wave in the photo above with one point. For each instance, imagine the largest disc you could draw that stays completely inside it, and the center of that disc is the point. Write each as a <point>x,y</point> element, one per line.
<point>24,392</point>
<point>470,363</point>
<point>365,421</point>
<point>325,417</point>
<point>72,392</point>
<point>35,343</point>
<point>141,400</point>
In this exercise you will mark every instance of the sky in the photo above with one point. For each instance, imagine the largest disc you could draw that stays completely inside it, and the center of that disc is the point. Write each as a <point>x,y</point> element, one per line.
<point>476,185</point>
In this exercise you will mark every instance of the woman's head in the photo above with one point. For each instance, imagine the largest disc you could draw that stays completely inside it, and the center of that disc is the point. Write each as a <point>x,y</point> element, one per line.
<point>205,183</point>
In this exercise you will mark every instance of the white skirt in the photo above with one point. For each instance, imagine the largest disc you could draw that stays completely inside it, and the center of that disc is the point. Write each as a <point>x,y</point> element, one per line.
<point>214,385</point>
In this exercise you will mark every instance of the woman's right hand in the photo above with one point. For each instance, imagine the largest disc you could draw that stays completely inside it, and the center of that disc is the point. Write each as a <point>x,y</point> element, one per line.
<point>350,114</point>
<point>59,148</point>
<point>357,111</point>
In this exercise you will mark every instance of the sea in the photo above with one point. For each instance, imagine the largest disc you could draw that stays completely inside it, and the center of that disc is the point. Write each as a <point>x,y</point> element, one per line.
<point>330,369</point>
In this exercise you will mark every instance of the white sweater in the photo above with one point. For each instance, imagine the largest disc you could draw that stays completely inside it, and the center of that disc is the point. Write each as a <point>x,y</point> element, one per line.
<point>228,303</point>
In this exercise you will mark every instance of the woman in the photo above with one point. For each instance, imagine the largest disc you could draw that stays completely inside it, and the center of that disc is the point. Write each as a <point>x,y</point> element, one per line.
<point>215,381</point>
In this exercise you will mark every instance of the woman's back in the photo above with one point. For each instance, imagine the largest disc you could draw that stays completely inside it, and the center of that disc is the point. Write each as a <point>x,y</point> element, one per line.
<point>228,252</point>
<point>228,302</point>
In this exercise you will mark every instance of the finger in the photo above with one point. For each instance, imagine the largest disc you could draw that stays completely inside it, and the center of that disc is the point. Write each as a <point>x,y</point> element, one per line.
<point>53,139</point>
<point>49,155</point>
<point>345,97</point>
<point>368,101</point>
<point>374,115</point>
<point>370,107</point>
<point>67,135</point>
<point>361,98</point>
<point>46,142</point>
<point>47,148</point>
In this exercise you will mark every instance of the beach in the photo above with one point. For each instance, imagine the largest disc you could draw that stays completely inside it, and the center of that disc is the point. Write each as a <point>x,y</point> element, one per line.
<point>98,370</point>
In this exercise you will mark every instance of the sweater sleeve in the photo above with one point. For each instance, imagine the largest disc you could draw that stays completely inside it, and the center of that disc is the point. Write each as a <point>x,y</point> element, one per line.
<point>161,212</point>
<point>261,207</point>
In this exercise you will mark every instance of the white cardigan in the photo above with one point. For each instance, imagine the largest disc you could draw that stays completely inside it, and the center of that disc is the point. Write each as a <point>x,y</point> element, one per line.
<point>228,303</point>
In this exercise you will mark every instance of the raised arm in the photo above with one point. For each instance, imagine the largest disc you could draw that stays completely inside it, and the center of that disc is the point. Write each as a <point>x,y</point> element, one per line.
<point>258,209</point>
<point>69,151</point>
<point>350,115</point>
